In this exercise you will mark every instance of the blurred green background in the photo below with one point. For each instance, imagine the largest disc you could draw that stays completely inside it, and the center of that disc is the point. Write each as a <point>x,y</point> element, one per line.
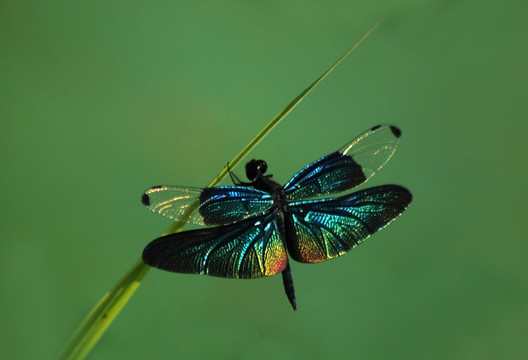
<point>101,100</point>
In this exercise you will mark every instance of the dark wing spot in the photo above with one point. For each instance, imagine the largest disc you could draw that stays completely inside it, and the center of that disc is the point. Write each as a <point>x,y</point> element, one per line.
<point>374,128</point>
<point>145,199</point>
<point>396,131</point>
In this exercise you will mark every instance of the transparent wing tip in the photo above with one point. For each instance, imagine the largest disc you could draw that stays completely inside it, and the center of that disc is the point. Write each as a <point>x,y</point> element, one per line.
<point>145,199</point>
<point>394,129</point>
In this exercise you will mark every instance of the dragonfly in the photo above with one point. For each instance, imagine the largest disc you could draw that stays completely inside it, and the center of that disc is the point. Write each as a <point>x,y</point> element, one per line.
<point>256,226</point>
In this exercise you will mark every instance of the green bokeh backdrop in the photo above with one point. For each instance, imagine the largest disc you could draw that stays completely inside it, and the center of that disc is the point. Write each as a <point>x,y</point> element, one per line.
<point>100,100</point>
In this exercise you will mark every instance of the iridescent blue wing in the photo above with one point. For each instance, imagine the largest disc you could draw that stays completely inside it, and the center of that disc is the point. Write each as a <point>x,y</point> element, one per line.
<point>318,230</point>
<point>346,168</point>
<point>209,206</point>
<point>250,248</point>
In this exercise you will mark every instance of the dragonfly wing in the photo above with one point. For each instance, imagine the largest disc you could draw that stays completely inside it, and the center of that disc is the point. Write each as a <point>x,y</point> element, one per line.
<point>346,168</point>
<point>229,204</point>
<point>208,206</point>
<point>319,230</point>
<point>250,248</point>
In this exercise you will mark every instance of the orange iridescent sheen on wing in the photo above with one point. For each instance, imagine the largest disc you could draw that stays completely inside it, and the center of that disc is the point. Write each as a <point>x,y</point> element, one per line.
<point>275,259</point>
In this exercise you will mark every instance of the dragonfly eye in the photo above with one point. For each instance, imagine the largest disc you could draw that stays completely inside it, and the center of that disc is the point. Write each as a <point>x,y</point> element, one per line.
<point>255,168</point>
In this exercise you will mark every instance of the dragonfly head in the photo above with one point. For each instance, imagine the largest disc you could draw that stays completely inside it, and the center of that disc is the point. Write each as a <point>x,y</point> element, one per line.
<point>254,168</point>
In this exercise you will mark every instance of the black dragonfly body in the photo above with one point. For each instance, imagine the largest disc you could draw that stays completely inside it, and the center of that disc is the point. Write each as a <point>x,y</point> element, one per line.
<point>255,222</point>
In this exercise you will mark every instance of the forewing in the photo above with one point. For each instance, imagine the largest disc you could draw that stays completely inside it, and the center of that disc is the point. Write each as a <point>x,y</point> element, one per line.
<point>208,206</point>
<point>228,204</point>
<point>250,248</point>
<point>346,168</point>
<point>319,230</point>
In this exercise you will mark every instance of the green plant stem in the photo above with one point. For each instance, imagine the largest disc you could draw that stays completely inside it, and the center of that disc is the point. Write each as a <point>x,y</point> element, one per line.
<point>102,315</point>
